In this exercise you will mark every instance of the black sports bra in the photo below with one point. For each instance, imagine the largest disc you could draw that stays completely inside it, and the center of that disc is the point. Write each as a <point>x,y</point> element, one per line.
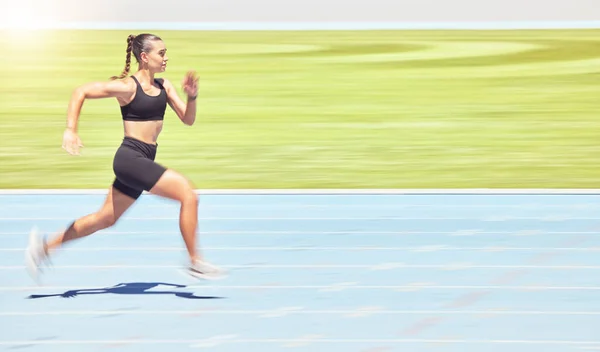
<point>145,107</point>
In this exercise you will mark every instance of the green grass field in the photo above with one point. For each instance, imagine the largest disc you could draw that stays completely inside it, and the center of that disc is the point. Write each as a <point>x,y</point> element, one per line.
<point>372,109</point>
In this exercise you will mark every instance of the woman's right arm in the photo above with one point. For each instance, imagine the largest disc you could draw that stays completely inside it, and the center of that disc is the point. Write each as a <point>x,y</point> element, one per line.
<point>120,89</point>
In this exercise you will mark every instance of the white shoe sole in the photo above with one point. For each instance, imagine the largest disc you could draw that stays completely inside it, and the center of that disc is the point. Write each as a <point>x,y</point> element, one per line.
<point>198,275</point>
<point>32,259</point>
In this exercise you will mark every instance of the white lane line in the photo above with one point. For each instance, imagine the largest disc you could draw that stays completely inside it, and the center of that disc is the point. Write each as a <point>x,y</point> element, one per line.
<point>334,286</point>
<point>432,248</point>
<point>349,232</point>
<point>532,206</point>
<point>334,191</point>
<point>381,266</point>
<point>278,312</point>
<point>314,340</point>
<point>494,218</point>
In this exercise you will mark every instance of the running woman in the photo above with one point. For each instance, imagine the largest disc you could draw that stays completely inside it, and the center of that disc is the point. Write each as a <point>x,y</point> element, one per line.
<point>143,99</point>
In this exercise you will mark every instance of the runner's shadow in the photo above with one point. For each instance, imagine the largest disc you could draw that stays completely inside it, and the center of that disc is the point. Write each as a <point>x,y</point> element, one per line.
<point>131,288</point>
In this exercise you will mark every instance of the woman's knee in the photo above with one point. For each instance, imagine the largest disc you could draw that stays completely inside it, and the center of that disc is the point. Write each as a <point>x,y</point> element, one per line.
<point>105,219</point>
<point>191,196</point>
<point>175,186</point>
<point>188,194</point>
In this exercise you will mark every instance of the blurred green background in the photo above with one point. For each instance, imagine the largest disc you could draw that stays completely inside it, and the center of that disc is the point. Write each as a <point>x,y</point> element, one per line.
<point>317,109</point>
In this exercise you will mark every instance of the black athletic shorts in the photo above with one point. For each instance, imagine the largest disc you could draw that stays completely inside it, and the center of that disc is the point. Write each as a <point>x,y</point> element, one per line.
<point>134,167</point>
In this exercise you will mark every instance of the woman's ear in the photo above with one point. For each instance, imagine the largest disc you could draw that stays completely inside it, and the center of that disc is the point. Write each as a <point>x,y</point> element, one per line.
<point>144,57</point>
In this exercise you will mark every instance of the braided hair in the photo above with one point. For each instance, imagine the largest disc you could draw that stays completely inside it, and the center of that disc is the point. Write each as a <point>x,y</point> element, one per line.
<point>136,44</point>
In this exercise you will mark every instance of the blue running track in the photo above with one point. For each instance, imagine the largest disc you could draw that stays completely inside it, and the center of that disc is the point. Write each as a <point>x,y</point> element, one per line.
<point>338,272</point>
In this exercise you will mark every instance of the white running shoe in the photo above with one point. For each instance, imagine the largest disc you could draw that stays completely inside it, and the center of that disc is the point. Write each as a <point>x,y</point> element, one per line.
<point>203,270</point>
<point>35,255</point>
